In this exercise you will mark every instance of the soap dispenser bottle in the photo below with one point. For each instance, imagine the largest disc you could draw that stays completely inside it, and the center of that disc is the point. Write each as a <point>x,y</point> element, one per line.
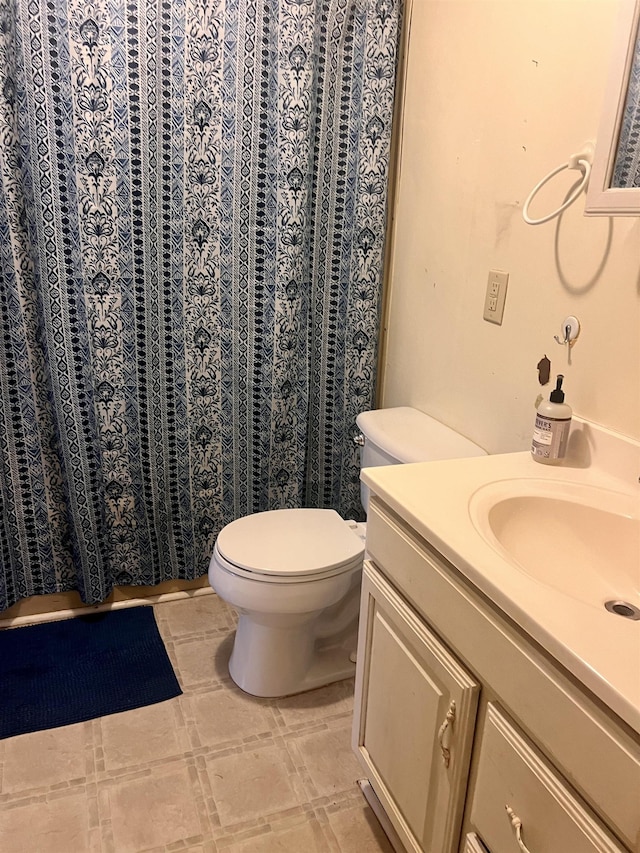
<point>551,431</point>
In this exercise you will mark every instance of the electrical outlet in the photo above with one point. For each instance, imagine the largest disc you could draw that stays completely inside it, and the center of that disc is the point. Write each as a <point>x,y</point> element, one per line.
<point>495,296</point>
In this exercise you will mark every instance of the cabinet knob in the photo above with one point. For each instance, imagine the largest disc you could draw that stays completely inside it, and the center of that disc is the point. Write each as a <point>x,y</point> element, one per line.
<point>516,823</point>
<point>442,731</point>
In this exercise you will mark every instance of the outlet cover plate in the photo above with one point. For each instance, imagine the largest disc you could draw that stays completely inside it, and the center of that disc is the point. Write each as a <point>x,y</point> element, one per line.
<point>495,296</point>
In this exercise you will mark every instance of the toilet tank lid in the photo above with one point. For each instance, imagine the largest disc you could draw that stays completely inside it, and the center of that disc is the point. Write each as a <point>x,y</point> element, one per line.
<point>412,436</point>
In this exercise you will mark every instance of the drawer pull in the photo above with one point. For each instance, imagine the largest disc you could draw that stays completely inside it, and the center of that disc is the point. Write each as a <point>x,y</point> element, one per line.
<point>516,823</point>
<point>448,720</point>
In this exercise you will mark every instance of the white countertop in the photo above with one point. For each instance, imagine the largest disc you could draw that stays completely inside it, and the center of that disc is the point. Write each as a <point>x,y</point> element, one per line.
<point>600,649</point>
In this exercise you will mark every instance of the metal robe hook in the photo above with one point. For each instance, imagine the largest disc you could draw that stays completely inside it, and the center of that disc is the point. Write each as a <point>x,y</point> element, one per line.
<point>570,331</point>
<point>567,339</point>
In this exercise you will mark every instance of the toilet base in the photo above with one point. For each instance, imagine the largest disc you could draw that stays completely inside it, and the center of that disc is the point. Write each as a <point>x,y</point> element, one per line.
<point>271,662</point>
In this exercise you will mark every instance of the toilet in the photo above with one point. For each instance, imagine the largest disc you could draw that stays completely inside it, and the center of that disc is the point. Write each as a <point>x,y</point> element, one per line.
<point>294,575</point>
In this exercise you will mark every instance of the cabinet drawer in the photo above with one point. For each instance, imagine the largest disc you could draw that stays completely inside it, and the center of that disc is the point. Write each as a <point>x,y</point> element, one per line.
<point>472,844</point>
<point>512,773</point>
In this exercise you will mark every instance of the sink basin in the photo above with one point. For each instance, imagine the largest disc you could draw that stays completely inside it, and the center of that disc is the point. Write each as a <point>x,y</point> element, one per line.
<point>581,540</point>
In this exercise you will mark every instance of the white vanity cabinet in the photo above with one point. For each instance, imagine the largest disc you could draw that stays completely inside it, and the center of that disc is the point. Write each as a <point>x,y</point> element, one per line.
<point>444,678</point>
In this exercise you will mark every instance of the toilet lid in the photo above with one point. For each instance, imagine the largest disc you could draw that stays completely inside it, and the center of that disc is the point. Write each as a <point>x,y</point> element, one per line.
<point>290,542</point>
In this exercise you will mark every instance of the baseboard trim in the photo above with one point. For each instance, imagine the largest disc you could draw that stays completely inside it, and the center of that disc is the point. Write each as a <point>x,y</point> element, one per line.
<point>86,609</point>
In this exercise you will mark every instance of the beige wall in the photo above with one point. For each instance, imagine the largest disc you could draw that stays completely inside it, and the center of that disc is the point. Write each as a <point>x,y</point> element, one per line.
<point>498,93</point>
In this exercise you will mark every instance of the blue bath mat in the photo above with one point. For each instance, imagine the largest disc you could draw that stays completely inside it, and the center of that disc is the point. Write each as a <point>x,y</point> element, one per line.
<point>56,673</point>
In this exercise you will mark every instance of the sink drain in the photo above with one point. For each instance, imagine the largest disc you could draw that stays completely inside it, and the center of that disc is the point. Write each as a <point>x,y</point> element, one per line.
<point>623,608</point>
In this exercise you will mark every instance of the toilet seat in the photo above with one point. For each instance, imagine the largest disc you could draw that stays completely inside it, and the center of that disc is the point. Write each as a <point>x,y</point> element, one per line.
<point>289,546</point>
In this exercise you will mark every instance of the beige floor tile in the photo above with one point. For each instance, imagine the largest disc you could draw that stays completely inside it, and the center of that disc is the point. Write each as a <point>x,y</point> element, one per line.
<point>227,714</point>
<point>328,759</point>
<point>317,704</point>
<point>203,661</point>
<point>306,837</point>
<point>143,735</point>
<point>358,831</point>
<point>153,811</point>
<point>60,825</point>
<point>43,759</point>
<point>253,784</point>
<point>195,615</point>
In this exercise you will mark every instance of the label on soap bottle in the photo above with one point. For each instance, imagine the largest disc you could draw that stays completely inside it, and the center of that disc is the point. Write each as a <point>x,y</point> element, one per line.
<point>550,437</point>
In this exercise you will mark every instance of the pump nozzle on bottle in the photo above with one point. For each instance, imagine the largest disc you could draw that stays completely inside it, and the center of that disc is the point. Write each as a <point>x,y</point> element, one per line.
<point>557,395</point>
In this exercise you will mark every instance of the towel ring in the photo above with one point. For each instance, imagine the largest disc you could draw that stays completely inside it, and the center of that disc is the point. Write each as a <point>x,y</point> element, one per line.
<point>577,161</point>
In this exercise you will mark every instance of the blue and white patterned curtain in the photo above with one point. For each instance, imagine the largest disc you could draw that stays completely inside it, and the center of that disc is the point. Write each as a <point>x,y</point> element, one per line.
<point>192,216</point>
<point>626,172</point>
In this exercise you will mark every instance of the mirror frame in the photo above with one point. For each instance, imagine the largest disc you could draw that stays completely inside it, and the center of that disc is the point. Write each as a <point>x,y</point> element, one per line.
<point>602,199</point>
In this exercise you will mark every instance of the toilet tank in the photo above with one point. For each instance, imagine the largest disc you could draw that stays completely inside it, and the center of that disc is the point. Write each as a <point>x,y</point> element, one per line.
<point>401,435</point>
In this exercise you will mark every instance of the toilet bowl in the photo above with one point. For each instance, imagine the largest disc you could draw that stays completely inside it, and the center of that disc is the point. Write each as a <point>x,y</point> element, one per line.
<point>294,575</point>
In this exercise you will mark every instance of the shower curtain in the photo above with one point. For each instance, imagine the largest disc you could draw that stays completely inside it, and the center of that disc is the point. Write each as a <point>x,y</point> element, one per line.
<point>626,170</point>
<point>192,217</point>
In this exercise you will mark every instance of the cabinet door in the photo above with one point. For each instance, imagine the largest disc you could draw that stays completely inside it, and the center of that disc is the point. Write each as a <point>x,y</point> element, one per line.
<point>520,803</point>
<point>414,719</point>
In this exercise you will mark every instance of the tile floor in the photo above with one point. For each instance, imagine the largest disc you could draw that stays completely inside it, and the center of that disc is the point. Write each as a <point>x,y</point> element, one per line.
<point>212,770</point>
